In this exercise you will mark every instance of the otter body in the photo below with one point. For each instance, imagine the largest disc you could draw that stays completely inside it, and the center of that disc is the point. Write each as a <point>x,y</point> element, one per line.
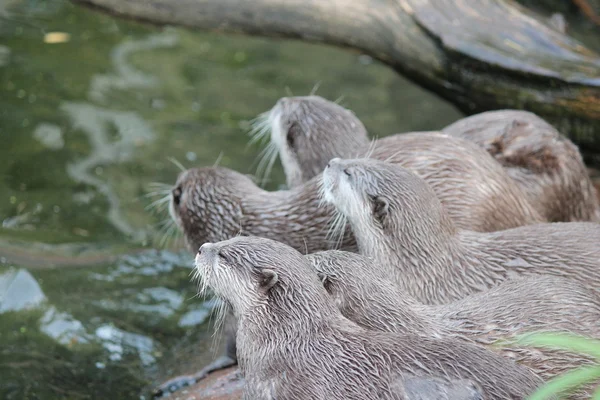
<point>368,297</point>
<point>477,192</point>
<point>293,343</point>
<point>542,171</point>
<point>546,165</point>
<point>399,222</point>
<point>215,203</point>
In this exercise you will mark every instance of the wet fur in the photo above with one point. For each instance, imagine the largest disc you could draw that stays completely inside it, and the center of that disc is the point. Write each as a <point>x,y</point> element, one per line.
<point>546,165</point>
<point>416,242</point>
<point>546,168</point>
<point>477,192</point>
<point>365,295</point>
<point>293,343</point>
<point>217,203</point>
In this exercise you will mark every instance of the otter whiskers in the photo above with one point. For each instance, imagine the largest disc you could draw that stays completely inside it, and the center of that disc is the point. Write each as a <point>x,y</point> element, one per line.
<point>167,231</point>
<point>266,159</point>
<point>338,221</point>
<point>261,128</point>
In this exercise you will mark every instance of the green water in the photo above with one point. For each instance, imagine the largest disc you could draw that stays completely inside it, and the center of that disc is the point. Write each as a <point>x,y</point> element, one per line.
<point>86,125</point>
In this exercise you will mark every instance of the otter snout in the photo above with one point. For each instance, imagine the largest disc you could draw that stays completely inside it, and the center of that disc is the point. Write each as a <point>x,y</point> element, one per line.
<point>330,179</point>
<point>207,248</point>
<point>334,162</point>
<point>207,251</point>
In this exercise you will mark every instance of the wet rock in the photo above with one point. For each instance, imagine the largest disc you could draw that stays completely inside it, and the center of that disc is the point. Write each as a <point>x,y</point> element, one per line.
<point>117,342</point>
<point>226,384</point>
<point>63,328</point>
<point>194,317</point>
<point>19,291</point>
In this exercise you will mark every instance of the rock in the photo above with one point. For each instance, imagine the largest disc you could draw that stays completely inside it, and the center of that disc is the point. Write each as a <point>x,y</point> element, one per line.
<point>221,385</point>
<point>19,291</point>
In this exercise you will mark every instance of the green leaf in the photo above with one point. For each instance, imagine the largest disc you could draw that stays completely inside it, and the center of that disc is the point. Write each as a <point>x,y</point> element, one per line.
<point>568,342</point>
<point>567,382</point>
<point>596,395</point>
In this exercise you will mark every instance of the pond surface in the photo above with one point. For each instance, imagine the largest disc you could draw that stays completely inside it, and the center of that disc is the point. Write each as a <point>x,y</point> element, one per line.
<point>93,295</point>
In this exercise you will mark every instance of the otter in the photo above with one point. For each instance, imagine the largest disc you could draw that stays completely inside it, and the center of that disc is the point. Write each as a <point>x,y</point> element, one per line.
<point>399,222</point>
<point>293,343</point>
<point>494,318</point>
<point>215,203</point>
<point>546,167</point>
<point>545,164</point>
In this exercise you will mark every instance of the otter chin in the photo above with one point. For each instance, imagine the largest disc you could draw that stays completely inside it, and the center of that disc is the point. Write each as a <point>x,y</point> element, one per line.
<point>399,222</point>
<point>293,343</point>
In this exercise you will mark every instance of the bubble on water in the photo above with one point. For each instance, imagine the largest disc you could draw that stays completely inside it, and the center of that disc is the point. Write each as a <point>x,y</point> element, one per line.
<point>191,156</point>
<point>4,55</point>
<point>49,135</point>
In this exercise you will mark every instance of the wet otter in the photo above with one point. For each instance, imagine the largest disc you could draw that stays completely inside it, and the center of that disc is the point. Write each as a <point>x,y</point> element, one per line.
<point>215,203</point>
<point>399,222</point>
<point>547,167</point>
<point>293,343</point>
<point>545,164</point>
<point>365,295</point>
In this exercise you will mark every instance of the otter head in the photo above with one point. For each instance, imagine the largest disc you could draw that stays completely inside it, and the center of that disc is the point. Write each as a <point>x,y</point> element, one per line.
<point>206,204</point>
<point>383,202</point>
<point>345,276</point>
<point>309,131</point>
<point>254,274</point>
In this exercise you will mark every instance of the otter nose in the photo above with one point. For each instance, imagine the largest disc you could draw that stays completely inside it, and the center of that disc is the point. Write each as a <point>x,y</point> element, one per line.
<point>206,249</point>
<point>333,162</point>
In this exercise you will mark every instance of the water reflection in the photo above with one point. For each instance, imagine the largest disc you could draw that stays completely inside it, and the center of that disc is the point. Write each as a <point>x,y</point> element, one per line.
<point>127,76</point>
<point>107,147</point>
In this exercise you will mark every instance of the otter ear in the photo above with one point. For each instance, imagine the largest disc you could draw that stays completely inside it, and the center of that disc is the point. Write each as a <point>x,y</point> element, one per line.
<point>293,132</point>
<point>381,208</point>
<point>269,278</point>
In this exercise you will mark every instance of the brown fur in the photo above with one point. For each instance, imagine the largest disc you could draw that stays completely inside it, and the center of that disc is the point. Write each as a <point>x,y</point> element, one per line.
<point>546,165</point>
<point>293,343</point>
<point>365,295</point>
<point>216,203</point>
<point>547,171</point>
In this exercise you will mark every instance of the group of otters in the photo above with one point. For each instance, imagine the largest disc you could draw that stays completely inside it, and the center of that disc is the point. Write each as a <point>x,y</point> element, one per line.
<point>454,244</point>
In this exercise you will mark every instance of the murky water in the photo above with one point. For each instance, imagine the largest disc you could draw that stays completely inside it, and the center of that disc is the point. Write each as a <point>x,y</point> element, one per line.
<point>91,110</point>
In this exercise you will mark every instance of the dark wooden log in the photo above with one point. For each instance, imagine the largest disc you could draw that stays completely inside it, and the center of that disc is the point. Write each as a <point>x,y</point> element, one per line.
<point>590,9</point>
<point>478,54</point>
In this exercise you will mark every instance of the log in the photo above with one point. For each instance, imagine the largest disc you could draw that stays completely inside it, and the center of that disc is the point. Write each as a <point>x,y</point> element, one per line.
<point>590,9</point>
<point>478,54</point>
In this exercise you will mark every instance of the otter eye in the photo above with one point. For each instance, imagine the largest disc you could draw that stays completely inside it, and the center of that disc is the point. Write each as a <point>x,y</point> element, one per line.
<point>176,195</point>
<point>347,172</point>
